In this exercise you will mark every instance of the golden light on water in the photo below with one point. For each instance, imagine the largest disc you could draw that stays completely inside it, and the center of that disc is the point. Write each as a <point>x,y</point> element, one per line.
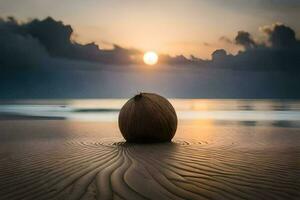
<point>150,58</point>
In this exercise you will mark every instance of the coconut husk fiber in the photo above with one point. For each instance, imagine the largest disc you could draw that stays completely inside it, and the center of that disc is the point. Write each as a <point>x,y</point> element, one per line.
<point>148,118</point>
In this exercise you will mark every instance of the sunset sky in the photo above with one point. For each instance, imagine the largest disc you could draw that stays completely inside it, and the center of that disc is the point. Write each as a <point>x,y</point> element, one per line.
<point>171,26</point>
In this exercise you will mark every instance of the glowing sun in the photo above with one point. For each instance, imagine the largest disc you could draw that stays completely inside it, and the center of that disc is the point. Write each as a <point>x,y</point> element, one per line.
<point>150,58</point>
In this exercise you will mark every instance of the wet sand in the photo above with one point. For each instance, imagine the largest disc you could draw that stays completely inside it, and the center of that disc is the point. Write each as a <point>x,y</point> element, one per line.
<point>61,159</point>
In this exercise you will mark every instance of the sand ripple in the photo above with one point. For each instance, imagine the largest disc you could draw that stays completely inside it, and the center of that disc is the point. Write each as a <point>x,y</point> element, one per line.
<point>112,169</point>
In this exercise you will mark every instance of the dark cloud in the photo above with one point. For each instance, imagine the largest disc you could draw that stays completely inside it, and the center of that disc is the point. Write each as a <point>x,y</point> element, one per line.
<point>282,36</point>
<point>281,51</point>
<point>180,59</point>
<point>219,55</point>
<point>226,40</point>
<point>50,38</point>
<point>18,50</point>
<point>269,69</point>
<point>33,43</point>
<point>244,38</point>
<point>29,44</point>
<point>56,37</point>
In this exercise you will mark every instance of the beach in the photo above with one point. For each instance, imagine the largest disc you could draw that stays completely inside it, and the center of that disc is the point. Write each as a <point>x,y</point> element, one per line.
<point>154,100</point>
<point>70,160</point>
<point>53,158</point>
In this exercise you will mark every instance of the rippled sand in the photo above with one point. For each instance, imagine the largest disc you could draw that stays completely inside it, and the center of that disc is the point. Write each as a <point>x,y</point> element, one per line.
<point>57,159</point>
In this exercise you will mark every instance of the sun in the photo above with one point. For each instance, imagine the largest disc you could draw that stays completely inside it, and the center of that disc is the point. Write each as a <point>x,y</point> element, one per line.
<point>150,58</point>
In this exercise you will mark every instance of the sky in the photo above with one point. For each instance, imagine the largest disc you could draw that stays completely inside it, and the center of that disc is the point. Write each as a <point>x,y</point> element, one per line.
<point>171,27</point>
<point>95,48</point>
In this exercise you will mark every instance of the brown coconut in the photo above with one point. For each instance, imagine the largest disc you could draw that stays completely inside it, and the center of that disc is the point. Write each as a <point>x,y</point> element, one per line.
<point>148,118</point>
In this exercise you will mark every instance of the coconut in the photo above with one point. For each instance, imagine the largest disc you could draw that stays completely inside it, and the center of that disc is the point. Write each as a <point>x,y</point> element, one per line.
<point>148,118</point>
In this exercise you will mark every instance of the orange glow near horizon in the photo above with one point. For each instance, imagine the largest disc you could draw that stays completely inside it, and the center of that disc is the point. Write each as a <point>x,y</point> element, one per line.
<point>177,28</point>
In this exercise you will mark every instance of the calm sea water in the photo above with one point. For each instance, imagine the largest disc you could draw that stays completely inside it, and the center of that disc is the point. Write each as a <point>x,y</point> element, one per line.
<point>249,112</point>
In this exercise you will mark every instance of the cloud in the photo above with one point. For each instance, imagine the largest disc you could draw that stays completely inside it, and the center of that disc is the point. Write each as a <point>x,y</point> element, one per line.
<point>25,45</point>
<point>281,51</point>
<point>281,36</point>
<point>32,44</point>
<point>219,55</point>
<point>269,69</point>
<point>56,37</point>
<point>18,50</point>
<point>226,39</point>
<point>244,38</point>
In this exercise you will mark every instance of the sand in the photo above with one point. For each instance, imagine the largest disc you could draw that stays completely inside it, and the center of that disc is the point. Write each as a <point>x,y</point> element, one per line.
<point>61,159</point>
